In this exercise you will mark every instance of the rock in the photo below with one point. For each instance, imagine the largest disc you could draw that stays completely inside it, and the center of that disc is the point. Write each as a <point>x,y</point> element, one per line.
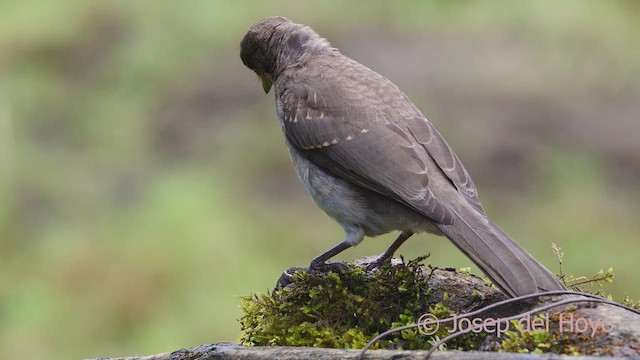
<point>347,307</point>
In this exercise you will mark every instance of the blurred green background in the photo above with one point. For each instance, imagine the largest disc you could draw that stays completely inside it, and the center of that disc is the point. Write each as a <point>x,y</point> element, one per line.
<point>145,184</point>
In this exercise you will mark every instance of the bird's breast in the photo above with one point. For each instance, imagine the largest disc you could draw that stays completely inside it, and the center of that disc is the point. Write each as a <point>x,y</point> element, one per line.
<point>352,206</point>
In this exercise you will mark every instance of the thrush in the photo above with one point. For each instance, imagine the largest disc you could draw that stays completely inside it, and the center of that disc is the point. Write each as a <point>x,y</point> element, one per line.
<point>372,161</point>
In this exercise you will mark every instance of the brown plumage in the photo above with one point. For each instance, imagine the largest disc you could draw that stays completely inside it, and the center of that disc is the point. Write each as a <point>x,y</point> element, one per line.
<point>371,160</point>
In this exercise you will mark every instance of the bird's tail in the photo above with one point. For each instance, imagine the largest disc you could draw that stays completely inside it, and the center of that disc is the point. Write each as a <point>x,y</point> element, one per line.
<point>510,267</point>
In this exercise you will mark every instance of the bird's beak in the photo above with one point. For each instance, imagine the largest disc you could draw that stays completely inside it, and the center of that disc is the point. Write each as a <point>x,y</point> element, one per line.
<point>266,83</point>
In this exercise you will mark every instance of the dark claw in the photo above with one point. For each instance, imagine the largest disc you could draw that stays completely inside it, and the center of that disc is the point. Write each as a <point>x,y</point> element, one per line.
<point>285,278</point>
<point>377,264</point>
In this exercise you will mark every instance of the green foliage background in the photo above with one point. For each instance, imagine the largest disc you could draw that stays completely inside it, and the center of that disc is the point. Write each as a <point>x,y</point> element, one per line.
<point>145,185</point>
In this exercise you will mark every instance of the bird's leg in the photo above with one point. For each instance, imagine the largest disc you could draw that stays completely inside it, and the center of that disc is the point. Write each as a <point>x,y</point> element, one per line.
<point>353,236</point>
<point>388,254</point>
<point>318,263</point>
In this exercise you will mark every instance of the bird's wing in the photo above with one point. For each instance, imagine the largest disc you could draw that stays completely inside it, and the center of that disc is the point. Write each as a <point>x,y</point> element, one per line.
<point>437,147</point>
<point>374,138</point>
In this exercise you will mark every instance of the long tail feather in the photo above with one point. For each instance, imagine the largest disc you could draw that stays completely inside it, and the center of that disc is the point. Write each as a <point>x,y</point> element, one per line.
<point>509,266</point>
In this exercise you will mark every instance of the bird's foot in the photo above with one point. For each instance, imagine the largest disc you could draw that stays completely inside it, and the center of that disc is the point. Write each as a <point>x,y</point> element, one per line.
<point>286,278</point>
<point>321,266</point>
<point>379,263</point>
<point>316,266</point>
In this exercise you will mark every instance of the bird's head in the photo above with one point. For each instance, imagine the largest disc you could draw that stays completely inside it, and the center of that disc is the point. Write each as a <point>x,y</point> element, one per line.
<point>275,42</point>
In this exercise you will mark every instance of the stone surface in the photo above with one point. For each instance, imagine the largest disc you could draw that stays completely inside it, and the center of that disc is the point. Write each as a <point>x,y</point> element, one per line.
<point>234,351</point>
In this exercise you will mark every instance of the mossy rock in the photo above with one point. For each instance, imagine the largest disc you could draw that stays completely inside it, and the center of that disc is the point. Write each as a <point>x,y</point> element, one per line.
<point>350,305</point>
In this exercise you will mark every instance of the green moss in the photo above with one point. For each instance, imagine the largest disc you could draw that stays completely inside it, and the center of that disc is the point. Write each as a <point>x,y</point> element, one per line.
<point>523,341</point>
<point>563,342</point>
<point>630,302</point>
<point>554,341</point>
<point>345,310</point>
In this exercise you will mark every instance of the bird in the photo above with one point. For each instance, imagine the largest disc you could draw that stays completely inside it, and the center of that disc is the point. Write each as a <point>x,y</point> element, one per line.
<point>372,161</point>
